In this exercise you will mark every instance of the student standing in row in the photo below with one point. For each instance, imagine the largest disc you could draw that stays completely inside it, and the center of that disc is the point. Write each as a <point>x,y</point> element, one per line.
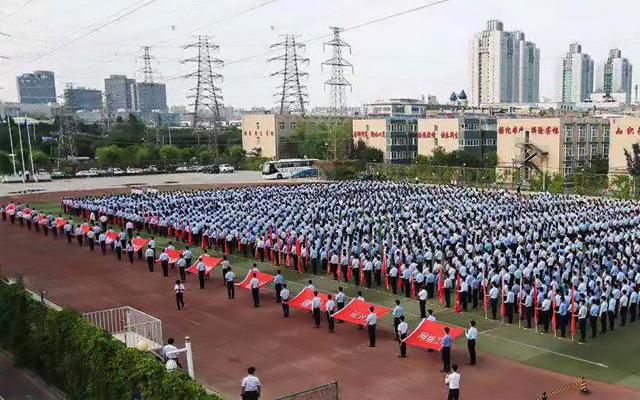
<point>372,319</point>
<point>398,312</point>
<point>130,251</point>
<point>402,329</point>
<point>340,300</point>
<point>315,309</point>
<point>251,386</point>
<point>230,279</point>
<point>447,341</point>
<point>472,336</point>
<point>102,239</point>
<point>284,297</point>
<point>422,298</point>
<point>179,289</point>
<point>181,264</point>
<point>164,262</point>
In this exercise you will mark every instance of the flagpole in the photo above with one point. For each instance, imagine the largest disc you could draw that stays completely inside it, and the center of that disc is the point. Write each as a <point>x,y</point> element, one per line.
<point>26,125</point>
<point>502,298</point>
<point>21,151</point>
<point>13,153</point>
<point>484,293</point>
<point>520,302</point>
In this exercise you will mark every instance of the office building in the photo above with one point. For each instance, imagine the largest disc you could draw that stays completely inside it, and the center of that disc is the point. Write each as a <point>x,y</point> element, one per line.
<point>577,75</point>
<point>83,99</point>
<point>503,67</point>
<point>38,87</point>
<point>120,93</point>
<point>152,97</point>
<point>614,75</point>
<point>561,145</point>
<point>402,139</point>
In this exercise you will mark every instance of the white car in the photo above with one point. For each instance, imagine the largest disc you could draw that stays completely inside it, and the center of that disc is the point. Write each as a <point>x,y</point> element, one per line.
<point>134,171</point>
<point>117,171</point>
<point>226,168</point>
<point>182,169</point>
<point>86,173</point>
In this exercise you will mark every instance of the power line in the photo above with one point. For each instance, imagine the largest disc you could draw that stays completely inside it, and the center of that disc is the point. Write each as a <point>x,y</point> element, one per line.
<point>292,93</point>
<point>16,10</point>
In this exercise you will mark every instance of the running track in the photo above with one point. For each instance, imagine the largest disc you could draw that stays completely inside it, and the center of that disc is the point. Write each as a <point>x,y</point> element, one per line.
<point>228,336</point>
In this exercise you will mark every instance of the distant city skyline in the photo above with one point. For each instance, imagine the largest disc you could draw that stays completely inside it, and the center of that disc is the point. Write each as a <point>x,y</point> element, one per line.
<point>431,60</point>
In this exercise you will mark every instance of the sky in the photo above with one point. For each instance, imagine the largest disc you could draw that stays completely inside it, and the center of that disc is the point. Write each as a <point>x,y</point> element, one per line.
<point>418,53</point>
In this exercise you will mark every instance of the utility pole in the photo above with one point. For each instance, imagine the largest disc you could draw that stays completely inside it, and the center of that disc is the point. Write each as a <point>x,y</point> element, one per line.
<point>147,69</point>
<point>292,94</point>
<point>206,96</point>
<point>337,141</point>
<point>67,131</point>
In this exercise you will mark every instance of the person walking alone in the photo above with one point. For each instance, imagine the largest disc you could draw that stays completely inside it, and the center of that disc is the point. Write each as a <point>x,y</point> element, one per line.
<point>179,289</point>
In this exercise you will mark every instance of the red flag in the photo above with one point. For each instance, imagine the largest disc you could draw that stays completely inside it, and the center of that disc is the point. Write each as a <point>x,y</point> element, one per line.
<point>303,300</point>
<point>139,243</point>
<point>520,299</point>
<point>190,239</point>
<point>573,320</point>
<point>535,301</point>
<point>384,269</point>
<point>458,307</point>
<point>553,314</point>
<point>202,242</point>
<point>485,296</point>
<point>503,308</point>
<point>328,263</point>
<point>308,251</point>
<point>362,279</point>
<point>226,247</point>
<point>356,312</point>
<point>262,277</point>
<point>440,287</point>
<point>209,264</point>
<point>429,335</point>
<point>256,252</point>
<point>413,287</point>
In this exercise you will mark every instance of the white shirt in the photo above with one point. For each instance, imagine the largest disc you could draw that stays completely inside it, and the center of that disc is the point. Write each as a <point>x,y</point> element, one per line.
<point>330,305</point>
<point>453,380</point>
<point>284,294</point>
<point>250,383</point>
<point>422,294</point>
<point>254,283</point>
<point>315,303</point>
<point>472,333</point>
<point>179,288</point>
<point>403,327</point>
<point>169,351</point>
<point>229,276</point>
<point>431,317</point>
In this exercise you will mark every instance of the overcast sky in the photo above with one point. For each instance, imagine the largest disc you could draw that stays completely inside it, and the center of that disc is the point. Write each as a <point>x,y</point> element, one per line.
<point>423,52</point>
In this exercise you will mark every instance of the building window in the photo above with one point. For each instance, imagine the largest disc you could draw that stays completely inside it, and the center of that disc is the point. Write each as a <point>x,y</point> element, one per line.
<point>568,152</point>
<point>582,152</point>
<point>582,133</point>
<point>460,142</point>
<point>605,133</point>
<point>280,125</point>
<point>593,134</point>
<point>568,169</point>
<point>257,125</point>
<point>605,151</point>
<point>593,150</point>
<point>568,133</point>
<point>292,125</point>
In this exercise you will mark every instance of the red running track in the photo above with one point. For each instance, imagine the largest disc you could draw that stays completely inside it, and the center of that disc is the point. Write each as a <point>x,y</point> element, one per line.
<point>290,355</point>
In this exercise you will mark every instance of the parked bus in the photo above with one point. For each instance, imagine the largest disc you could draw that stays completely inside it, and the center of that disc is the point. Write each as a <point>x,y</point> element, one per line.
<point>290,168</point>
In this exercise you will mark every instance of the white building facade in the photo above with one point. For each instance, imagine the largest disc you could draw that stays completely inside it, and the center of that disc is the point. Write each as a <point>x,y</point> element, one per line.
<point>577,75</point>
<point>503,67</point>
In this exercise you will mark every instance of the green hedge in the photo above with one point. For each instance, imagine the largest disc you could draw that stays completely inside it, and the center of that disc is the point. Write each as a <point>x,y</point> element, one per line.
<point>80,359</point>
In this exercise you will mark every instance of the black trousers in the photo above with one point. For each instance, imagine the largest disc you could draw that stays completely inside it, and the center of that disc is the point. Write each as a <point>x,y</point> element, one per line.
<point>446,358</point>
<point>278,290</point>
<point>494,308</point>
<point>403,345</point>
<point>582,324</point>
<point>68,236</point>
<point>612,320</point>
<point>423,306</point>
<point>464,299</point>
<point>103,247</point>
<point>378,277</point>
<point>528,312</point>
<point>454,394</point>
<point>372,335</point>
<point>396,322</point>
<point>623,315</point>
<point>224,273</point>
<point>92,243</point>
<point>165,268</point>
<point>314,266</point>
<point>407,288</point>
<point>180,300</point>
<point>150,263</point>
<point>183,273</point>
<point>356,275</point>
<point>471,346</point>
<point>603,323</point>
<point>393,283</point>
<point>447,297</point>
<point>509,310</point>
<point>201,279</point>
<point>285,308</point>
<point>253,395</point>
<point>430,290</point>
<point>330,321</point>
<point>255,293</point>
<point>334,271</point>
<point>130,254</point>
<point>633,311</point>
<point>231,290</point>
<point>119,253</point>
<point>367,279</point>
<point>344,270</point>
<point>316,317</point>
<point>594,326</point>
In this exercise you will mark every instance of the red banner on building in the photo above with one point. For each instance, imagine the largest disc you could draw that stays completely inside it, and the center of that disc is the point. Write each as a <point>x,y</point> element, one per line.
<point>210,263</point>
<point>429,335</point>
<point>139,243</point>
<point>356,312</point>
<point>263,279</point>
<point>302,300</point>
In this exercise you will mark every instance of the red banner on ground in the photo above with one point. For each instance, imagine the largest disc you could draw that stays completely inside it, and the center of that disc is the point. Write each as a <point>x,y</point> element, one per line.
<point>263,279</point>
<point>303,300</point>
<point>356,312</point>
<point>139,243</point>
<point>429,335</point>
<point>209,264</point>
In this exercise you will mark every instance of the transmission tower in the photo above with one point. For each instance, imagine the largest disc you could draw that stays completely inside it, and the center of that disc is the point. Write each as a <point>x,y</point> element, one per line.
<point>147,70</point>
<point>68,130</point>
<point>205,95</point>
<point>292,93</point>
<point>337,83</point>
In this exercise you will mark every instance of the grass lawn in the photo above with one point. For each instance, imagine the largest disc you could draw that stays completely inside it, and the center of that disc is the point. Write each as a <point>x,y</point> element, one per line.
<point>610,358</point>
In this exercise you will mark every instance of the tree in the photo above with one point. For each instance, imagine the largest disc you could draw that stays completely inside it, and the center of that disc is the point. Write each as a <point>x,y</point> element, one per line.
<point>633,159</point>
<point>39,158</point>
<point>143,156</point>
<point>5,163</point>
<point>109,156</point>
<point>368,154</point>
<point>170,155</point>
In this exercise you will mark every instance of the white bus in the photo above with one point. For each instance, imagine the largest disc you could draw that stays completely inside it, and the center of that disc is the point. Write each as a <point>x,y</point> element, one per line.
<point>290,168</point>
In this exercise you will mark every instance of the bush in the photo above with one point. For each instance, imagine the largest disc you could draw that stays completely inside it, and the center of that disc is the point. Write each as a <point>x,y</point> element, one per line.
<point>81,359</point>
<point>252,163</point>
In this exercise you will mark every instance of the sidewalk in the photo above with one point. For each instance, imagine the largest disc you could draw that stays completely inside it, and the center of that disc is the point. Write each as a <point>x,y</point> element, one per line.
<point>16,383</point>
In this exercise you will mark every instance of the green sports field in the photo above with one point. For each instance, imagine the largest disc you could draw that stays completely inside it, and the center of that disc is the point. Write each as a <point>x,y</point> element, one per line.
<point>609,358</point>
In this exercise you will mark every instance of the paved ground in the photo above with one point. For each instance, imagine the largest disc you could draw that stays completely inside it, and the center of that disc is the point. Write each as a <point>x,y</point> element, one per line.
<point>114,182</point>
<point>290,355</point>
<point>18,384</point>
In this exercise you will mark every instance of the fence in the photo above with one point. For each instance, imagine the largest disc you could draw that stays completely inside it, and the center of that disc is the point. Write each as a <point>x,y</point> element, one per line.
<point>329,391</point>
<point>129,325</point>
<point>508,177</point>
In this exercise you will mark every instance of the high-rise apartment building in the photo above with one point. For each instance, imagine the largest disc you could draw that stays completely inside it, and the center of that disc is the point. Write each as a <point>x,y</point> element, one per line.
<point>152,96</point>
<point>37,88</point>
<point>81,98</point>
<point>614,75</point>
<point>577,75</point>
<point>503,67</point>
<point>120,93</point>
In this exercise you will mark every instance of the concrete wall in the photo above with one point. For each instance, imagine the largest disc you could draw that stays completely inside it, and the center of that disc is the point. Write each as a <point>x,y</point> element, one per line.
<point>437,132</point>
<point>259,132</point>
<point>624,133</point>
<point>545,133</point>
<point>372,132</point>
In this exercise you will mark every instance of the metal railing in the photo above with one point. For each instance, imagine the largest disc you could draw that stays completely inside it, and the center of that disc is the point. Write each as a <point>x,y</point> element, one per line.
<point>128,325</point>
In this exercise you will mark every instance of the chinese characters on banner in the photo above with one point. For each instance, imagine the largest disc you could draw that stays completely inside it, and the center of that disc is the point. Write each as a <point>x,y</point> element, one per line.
<point>429,335</point>
<point>442,135</point>
<point>258,133</point>
<point>629,131</point>
<point>539,130</point>
<point>367,134</point>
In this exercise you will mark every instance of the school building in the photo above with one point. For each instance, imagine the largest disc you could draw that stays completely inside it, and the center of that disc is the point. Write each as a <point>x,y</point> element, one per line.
<point>625,132</point>
<point>402,139</point>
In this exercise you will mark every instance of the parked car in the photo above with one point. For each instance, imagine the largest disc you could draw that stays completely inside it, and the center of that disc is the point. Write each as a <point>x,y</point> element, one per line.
<point>183,168</point>
<point>212,169</point>
<point>117,171</point>
<point>226,168</point>
<point>151,169</point>
<point>86,173</point>
<point>57,174</point>
<point>134,171</point>
<point>196,168</point>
